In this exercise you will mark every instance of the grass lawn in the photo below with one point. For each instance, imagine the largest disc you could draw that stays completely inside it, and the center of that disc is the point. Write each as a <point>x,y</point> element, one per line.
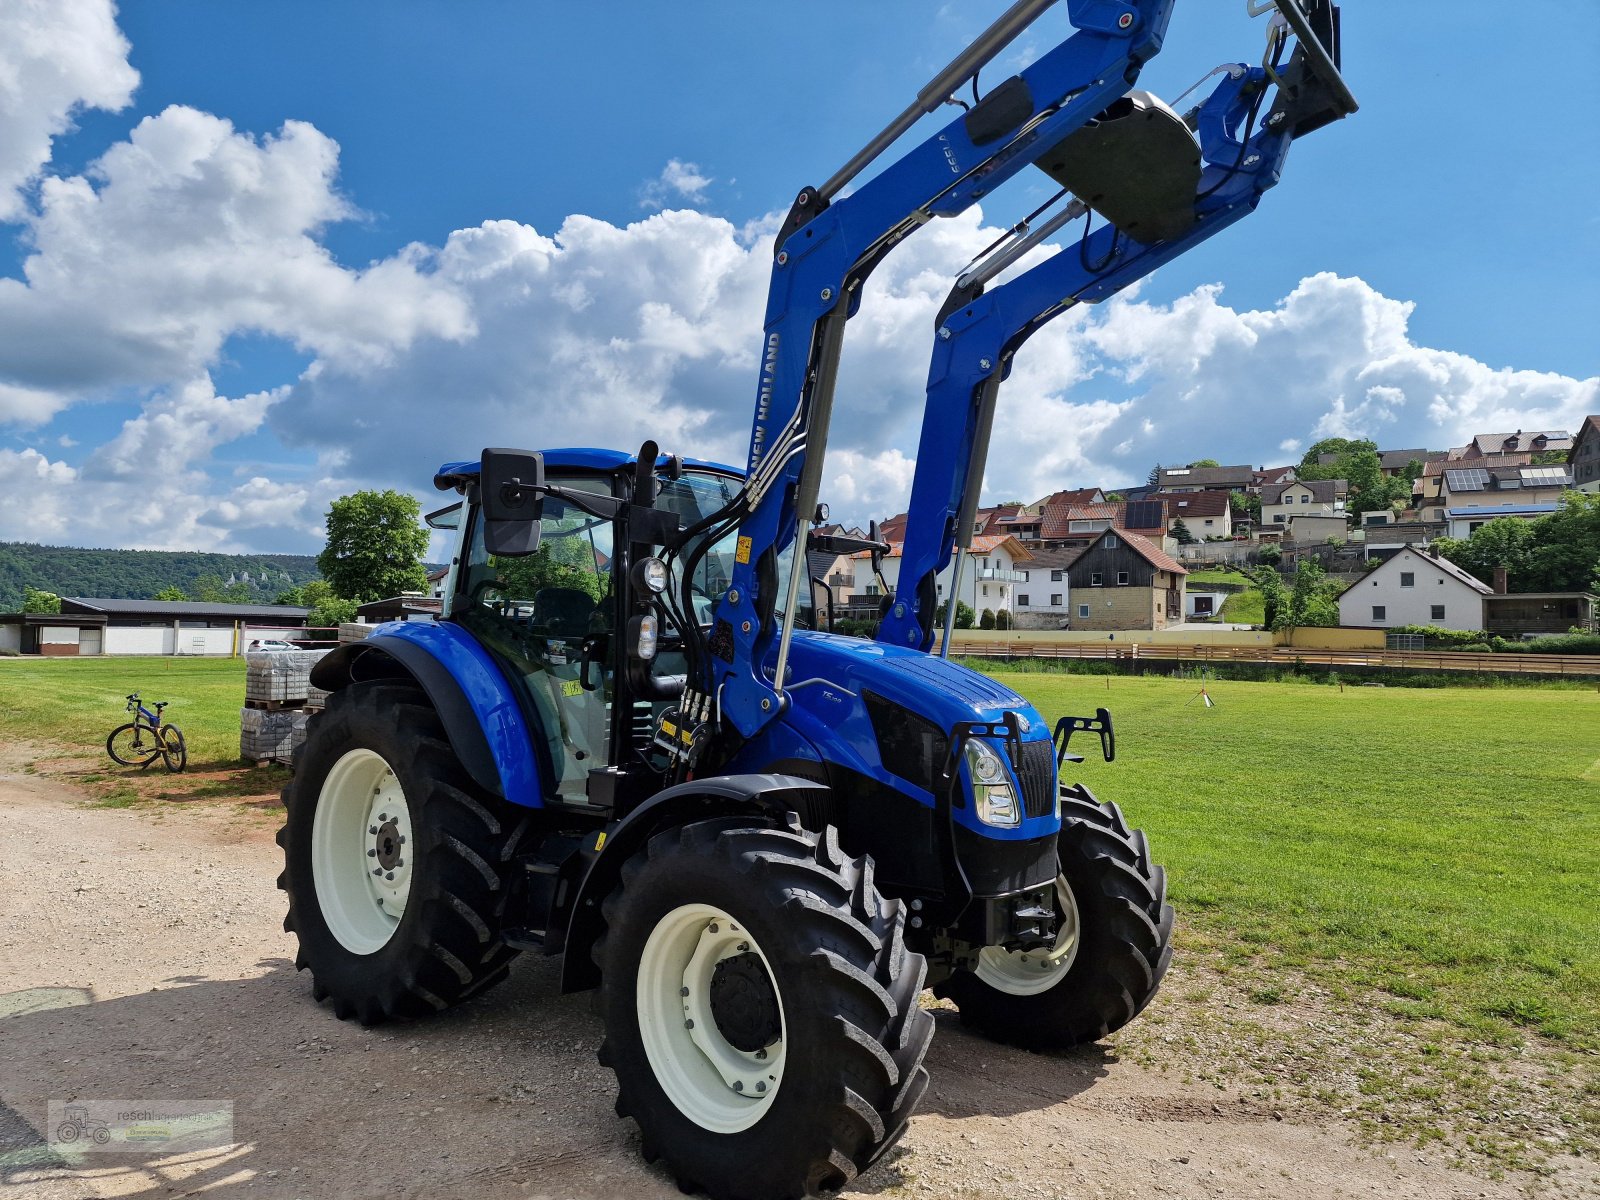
<point>1422,865</point>
<point>75,703</point>
<point>1242,608</point>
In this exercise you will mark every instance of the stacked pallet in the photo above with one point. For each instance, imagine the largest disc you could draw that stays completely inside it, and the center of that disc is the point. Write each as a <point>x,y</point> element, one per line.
<point>278,701</point>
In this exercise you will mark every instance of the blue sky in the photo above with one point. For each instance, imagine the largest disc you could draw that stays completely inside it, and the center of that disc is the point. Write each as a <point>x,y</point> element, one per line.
<point>1427,266</point>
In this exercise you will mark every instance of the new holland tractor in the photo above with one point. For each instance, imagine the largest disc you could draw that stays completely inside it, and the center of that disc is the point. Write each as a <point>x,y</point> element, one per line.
<point>626,744</point>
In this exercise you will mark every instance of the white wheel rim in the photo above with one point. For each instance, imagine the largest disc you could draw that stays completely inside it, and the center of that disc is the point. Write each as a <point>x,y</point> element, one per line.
<point>711,1081</point>
<point>361,851</point>
<point>1030,972</point>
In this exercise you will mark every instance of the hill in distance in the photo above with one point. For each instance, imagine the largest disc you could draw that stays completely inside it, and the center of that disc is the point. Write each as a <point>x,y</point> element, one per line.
<point>140,574</point>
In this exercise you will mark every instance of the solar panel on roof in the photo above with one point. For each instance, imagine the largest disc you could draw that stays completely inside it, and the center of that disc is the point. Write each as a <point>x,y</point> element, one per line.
<point>1472,479</point>
<point>1547,475</point>
<point>1145,514</point>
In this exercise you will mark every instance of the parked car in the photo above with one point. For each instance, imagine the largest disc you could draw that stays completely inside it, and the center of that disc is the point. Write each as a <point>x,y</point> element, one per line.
<point>272,644</point>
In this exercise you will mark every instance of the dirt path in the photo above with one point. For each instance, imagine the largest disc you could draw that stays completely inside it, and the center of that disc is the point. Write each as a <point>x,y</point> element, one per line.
<point>142,958</point>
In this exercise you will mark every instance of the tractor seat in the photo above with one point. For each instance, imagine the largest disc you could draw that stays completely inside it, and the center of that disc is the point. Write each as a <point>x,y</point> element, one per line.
<point>562,612</point>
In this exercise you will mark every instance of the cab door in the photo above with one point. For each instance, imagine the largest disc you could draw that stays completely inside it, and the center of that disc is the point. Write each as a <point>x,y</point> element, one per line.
<point>549,618</point>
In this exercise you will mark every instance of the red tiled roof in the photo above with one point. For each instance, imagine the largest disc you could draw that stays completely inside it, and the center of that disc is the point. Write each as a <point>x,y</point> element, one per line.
<point>1152,554</point>
<point>1193,504</point>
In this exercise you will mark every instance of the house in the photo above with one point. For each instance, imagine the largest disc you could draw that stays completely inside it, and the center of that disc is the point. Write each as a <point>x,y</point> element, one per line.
<point>1271,475</point>
<point>1205,479</point>
<point>1384,540</point>
<point>1204,514</point>
<point>1124,581</point>
<point>1050,523</point>
<point>1414,587</point>
<point>1307,511</point>
<point>408,606</point>
<point>989,575</point>
<point>1044,598</point>
<point>1583,460</point>
<point>1520,442</point>
<point>1519,484</point>
<point>1461,522</point>
<point>1428,492</point>
<point>1282,502</point>
<point>89,625</point>
<point>1521,614</point>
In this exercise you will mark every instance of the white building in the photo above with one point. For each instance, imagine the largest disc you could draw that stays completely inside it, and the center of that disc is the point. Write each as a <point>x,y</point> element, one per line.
<point>1415,587</point>
<point>1044,599</point>
<point>1281,503</point>
<point>989,576</point>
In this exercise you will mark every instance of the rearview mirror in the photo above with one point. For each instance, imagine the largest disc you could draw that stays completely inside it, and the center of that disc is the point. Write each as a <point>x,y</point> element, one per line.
<point>511,491</point>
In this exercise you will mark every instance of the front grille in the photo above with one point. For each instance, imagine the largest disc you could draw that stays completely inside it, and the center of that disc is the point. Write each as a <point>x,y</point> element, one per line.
<point>1036,771</point>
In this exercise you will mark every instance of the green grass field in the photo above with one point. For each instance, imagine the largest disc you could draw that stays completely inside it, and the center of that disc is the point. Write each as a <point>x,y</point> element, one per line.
<point>77,702</point>
<point>1424,858</point>
<point>1440,849</point>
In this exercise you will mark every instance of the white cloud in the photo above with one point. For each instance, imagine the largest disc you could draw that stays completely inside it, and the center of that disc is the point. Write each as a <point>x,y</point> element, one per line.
<point>678,181</point>
<point>56,56</point>
<point>182,236</point>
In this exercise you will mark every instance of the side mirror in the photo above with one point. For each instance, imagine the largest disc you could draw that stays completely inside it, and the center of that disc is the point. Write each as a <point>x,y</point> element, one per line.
<point>511,490</point>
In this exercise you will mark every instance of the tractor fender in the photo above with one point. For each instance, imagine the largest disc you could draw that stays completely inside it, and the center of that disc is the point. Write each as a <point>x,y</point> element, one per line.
<point>769,797</point>
<point>475,702</point>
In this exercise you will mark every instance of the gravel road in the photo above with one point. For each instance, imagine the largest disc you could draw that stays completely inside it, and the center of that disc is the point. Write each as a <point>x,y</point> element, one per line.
<point>142,958</point>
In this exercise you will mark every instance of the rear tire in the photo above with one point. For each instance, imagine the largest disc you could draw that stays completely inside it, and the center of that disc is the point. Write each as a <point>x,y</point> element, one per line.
<point>398,916</point>
<point>1100,979</point>
<point>120,746</point>
<point>825,975</point>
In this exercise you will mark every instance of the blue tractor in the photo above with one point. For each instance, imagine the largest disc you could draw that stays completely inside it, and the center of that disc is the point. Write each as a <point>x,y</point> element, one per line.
<point>627,743</point>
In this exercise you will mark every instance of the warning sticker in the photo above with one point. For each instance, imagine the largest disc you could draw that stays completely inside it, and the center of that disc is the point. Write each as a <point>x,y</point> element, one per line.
<point>741,553</point>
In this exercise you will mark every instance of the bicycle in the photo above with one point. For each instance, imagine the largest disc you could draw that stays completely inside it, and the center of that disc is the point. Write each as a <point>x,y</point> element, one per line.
<point>144,739</point>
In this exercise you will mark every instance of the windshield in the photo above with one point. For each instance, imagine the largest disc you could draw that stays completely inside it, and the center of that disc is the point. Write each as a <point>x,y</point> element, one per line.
<point>694,496</point>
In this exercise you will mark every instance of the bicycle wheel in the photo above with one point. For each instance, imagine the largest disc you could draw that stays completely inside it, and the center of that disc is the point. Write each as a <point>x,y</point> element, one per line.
<point>172,748</point>
<point>133,745</point>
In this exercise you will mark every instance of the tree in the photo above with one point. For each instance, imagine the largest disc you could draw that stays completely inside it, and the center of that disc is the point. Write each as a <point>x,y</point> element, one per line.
<point>308,595</point>
<point>965,617</point>
<point>375,546</point>
<point>1154,478</point>
<point>562,562</point>
<point>1002,619</point>
<point>171,592</point>
<point>1315,598</point>
<point>1205,462</point>
<point>1358,464</point>
<point>330,612</point>
<point>1274,596</point>
<point>986,620</point>
<point>1244,506</point>
<point>1270,555</point>
<point>35,601</point>
<point>1181,532</point>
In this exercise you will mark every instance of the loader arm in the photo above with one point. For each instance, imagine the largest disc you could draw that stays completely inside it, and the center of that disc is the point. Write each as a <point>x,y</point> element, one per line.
<point>979,332</point>
<point>828,245</point>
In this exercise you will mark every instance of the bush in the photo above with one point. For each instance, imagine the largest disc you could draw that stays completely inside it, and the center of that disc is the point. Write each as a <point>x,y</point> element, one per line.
<point>964,615</point>
<point>1561,643</point>
<point>1435,638</point>
<point>1476,648</point>
<point>859,627</point>
<point>986,621</point>
<point>1002,619</point>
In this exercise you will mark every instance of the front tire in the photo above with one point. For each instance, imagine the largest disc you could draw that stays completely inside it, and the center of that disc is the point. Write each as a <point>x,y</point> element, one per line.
<point>173,752</point>
<point>1113,948</point>
<point>760,1009</point>
<point>397,866</point>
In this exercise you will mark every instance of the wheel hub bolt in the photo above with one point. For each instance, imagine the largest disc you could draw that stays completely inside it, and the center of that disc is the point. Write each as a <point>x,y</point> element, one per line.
<point>761,1086</point>
<point>683,991</point>
<point>372,854</point>
<point>738,1085</point>
<point>713,927</point>
<point>377,870</point>
<point>689,1024</point>
<point>400,862</point>
<point>402,839</point>
<point>390,875</point>
<point>382,817</point>
<point>373,829</point>
<point>744,947</point>
<point>762,1055</point>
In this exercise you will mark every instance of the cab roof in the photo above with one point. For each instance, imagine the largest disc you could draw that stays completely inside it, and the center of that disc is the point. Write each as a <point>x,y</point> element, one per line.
<point>572,458</point>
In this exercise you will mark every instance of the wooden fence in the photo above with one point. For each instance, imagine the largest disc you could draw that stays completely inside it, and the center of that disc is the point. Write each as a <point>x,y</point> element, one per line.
<point>1575,666</point>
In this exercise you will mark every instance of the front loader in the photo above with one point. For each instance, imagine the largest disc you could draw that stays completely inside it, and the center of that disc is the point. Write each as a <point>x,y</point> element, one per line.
<point>621,744</point>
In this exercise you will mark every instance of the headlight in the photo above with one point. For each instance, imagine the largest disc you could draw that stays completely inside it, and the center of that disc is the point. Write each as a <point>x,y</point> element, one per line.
<point>650,574</point>
<point>991,786</point>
